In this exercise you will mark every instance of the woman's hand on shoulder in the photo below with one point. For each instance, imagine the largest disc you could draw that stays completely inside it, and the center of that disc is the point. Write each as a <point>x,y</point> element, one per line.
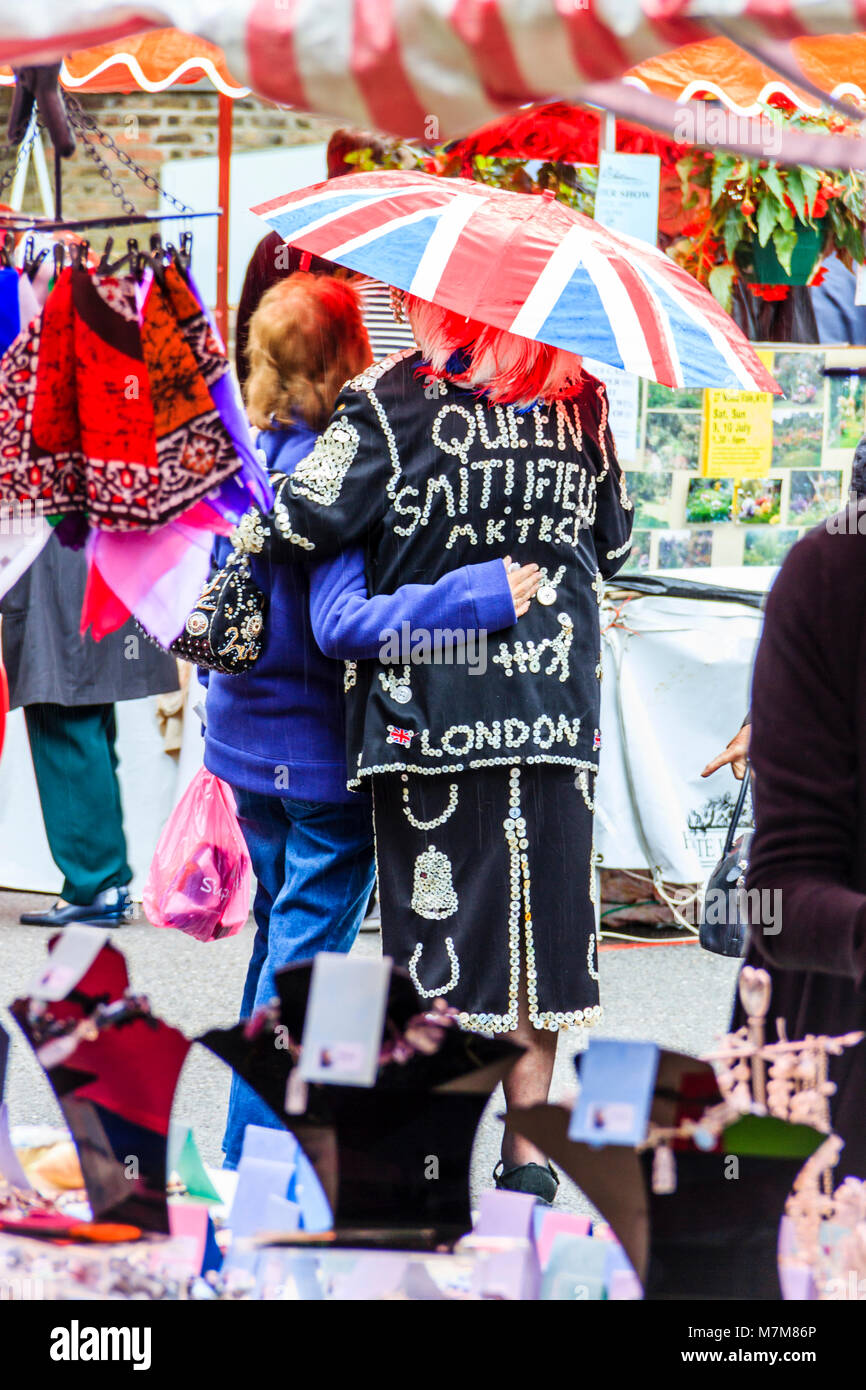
<point>524,582</point>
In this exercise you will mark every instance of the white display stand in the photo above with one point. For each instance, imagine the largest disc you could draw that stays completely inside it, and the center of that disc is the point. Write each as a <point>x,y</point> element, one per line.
<point>674,691</point>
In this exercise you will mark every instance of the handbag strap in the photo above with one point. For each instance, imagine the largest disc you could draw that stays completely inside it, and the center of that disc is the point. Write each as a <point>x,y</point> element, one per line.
<point>738,810</point>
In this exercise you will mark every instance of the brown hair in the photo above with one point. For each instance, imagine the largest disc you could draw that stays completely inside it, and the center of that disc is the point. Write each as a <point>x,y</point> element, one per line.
<point>349,140</point>
<point>306,340</point>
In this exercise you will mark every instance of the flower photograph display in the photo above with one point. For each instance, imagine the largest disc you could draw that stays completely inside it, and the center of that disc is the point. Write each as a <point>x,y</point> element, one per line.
<point>673,439</point>
<point>814,495</point>
<point>798,437</point>
<point>768,547</point>
<point>710,499</point>
<point>650,494</point>
<point>845,413</point>
<point>759,501</point>
<point>685,550</point>
<point>817,423</point>
<point>801,376</point>
<point>666,398</point>
<point>639,557</point>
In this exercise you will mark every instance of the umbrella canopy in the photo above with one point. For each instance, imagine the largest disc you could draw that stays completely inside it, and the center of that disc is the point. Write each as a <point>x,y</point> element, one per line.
<point>527,264</point>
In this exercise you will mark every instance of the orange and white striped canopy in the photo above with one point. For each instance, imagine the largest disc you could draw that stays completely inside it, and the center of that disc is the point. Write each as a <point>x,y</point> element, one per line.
<point>436,69</point>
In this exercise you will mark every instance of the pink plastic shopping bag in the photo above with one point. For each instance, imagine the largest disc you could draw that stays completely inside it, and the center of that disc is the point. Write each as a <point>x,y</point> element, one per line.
<point>199,880</point>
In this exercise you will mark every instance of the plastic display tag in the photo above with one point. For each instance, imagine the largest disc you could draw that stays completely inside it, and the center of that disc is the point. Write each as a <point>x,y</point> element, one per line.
<point>344,1020</point>
<point>616,1089</point>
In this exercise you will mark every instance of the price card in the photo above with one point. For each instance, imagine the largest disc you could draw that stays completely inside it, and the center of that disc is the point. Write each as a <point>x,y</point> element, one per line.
<point>344,1020</point>
<point>616,1090</point>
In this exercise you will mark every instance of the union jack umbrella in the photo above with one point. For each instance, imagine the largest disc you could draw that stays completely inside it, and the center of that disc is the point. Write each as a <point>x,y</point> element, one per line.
<point>527,264</point>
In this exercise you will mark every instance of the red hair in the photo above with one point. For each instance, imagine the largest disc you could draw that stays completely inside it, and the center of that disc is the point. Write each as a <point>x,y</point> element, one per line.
<point>508,369</point>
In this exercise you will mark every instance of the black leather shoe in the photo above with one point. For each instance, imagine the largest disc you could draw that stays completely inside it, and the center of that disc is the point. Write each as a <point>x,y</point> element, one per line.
<point>540,1183</point>
<point>112,905</point>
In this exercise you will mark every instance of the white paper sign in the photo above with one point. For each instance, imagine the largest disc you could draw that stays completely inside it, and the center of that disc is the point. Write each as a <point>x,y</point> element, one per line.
<point>627,199</point>
<point>69,962</point>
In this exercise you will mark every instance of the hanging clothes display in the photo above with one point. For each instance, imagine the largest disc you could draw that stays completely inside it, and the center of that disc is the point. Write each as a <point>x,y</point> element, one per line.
<point>110,416</point>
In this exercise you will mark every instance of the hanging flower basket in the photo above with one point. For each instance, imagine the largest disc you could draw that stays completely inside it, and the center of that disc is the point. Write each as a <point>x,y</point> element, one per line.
<point>765,223</point>
<point>767,269</point>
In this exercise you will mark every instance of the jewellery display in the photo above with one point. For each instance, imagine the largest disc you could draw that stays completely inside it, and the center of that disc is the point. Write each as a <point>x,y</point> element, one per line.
<point>785,1079</point>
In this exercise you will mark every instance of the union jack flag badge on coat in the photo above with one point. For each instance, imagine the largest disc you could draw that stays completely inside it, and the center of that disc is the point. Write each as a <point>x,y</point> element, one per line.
<point>402,736</point>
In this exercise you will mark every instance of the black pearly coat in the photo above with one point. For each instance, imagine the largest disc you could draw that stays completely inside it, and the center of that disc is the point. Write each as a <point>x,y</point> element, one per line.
<point>425,477</point>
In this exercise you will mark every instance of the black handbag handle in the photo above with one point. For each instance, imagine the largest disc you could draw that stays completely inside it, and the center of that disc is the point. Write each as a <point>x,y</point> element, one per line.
<point>738,810</point>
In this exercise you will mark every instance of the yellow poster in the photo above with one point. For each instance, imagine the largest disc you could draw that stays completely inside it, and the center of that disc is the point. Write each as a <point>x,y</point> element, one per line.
<point>737,434</point>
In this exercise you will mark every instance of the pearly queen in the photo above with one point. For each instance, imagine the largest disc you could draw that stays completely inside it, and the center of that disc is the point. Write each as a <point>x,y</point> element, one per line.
<point>469,482</point>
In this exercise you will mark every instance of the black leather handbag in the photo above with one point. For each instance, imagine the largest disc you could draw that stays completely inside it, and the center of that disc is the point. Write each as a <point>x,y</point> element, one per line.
<point>724,928</point>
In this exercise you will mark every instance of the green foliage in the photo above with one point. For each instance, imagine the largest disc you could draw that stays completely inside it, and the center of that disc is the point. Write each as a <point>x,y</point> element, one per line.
<point>754,201</point>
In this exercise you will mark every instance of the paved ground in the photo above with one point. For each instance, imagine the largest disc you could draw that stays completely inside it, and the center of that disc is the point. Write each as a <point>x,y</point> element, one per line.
<point>678,996</point>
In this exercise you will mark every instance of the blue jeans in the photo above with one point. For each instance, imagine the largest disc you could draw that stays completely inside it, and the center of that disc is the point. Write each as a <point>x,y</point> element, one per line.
<point>314,864</point>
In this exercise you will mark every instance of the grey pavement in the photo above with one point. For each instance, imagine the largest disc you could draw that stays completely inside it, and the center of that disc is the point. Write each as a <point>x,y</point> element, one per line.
<point>678,996</point>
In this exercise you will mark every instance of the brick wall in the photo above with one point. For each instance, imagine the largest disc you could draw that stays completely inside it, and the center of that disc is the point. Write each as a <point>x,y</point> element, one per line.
<point>154,128</point>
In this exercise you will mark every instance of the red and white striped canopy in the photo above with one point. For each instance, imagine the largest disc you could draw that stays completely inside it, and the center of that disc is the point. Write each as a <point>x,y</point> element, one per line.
<point>527,264</point>
<point>435,68</point>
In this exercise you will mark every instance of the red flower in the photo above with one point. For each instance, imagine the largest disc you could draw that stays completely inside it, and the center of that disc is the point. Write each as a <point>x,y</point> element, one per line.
<point>769,292</point>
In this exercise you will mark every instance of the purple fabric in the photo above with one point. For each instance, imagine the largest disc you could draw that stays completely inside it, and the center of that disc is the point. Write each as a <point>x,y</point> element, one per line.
<point>73,530</point>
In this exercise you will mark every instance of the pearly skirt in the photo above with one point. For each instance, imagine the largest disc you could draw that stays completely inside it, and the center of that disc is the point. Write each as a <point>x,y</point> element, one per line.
<point>485,883</point>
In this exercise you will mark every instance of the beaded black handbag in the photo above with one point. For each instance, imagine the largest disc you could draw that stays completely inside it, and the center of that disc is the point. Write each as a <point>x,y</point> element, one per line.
<point>225,631</point>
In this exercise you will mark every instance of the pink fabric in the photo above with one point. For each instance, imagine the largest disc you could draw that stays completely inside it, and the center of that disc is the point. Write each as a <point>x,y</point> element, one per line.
<point>158,575</point>
<point>164,609</point>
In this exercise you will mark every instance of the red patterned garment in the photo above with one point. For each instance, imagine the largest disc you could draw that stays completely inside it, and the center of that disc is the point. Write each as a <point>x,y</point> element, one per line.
<point>183,360</point>
<point>103,416</point>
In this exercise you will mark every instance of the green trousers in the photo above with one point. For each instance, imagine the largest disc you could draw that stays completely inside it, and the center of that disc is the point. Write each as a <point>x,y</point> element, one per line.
<point>75,761</point>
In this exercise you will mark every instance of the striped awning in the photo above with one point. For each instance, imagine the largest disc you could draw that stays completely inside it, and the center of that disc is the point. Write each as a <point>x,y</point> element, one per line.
<point>436,69</point>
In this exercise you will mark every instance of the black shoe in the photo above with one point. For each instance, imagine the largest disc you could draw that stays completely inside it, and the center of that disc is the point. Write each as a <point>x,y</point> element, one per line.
<point>112,905</point>
<point>540,1183</point>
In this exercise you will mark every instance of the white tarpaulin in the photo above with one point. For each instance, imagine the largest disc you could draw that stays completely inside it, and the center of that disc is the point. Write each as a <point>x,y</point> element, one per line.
<point>675,690</point>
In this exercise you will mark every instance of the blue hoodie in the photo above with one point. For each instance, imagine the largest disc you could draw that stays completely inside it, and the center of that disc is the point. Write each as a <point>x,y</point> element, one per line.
<point>280,730</point>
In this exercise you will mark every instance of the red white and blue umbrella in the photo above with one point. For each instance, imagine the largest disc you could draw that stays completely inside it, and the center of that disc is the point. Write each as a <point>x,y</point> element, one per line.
<point>527,264</point>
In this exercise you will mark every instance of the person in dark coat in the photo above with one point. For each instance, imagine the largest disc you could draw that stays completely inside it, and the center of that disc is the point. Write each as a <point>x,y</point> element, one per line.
<point>68,685</point>
<point>808,750</point>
